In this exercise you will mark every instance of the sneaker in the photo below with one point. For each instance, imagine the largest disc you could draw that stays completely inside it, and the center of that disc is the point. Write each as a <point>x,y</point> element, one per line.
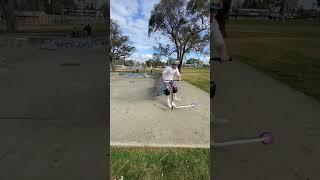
<point>169,104</point>
<point>173,104</point>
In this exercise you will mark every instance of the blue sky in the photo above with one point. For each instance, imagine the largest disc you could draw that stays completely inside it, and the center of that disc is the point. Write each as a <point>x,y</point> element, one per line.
<point>133,17</point>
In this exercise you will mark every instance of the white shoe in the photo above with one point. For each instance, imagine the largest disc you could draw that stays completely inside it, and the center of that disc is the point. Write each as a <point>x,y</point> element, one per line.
<point>169,102</point>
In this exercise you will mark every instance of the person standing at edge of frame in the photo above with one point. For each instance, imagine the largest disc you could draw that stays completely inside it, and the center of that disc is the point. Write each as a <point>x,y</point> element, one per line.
<point>217,45</point>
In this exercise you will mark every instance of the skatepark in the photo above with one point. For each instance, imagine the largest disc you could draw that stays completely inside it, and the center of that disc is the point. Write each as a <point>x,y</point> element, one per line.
<point>140,116</point>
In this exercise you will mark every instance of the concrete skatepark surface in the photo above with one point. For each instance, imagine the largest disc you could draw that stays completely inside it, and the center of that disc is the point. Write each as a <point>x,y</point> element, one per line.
<point>140,117</point>
<point>52,116</point>
<point>252,102</point>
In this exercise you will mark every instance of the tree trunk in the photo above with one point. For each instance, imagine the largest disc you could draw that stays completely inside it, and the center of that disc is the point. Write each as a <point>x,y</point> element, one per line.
<point>11,25</point>
<point>112,63</point>
<point>180,59</point>
<point>7,8</point>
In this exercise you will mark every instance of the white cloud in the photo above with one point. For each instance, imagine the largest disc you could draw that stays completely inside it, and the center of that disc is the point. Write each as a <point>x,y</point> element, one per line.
<point>134,23</point>
<point>141,57</point>
<point>124,7</point>
<point>148,7</point>
<point>146,56</point>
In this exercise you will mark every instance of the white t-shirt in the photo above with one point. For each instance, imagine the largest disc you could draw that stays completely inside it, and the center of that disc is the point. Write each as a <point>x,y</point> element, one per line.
<point>169,73</point>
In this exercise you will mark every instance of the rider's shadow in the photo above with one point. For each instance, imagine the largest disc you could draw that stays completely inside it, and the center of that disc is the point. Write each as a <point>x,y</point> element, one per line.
<point>159,103</point>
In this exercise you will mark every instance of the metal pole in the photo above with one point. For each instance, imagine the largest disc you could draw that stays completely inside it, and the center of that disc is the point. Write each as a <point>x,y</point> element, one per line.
<point>284,10</point>
<point>54,18</point>
<point>82,11</point>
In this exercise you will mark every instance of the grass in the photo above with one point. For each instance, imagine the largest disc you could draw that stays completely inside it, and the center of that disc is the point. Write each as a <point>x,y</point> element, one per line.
<point>199,77</point>
<point>288,52</point>
<point>159,163</point>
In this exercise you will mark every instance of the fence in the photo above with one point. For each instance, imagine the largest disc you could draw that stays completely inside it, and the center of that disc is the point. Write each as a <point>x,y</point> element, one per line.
<point>61,19</point>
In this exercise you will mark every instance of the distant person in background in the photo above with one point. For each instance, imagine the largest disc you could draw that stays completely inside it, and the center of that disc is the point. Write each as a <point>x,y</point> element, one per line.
<point>236,13</point>
<point>88,30</point>
<point>76,30</point>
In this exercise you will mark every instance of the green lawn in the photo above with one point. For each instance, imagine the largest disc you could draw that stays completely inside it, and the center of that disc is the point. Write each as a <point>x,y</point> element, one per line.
<point>289,52</point>
<point>199,77</point>
<point>155,163</point>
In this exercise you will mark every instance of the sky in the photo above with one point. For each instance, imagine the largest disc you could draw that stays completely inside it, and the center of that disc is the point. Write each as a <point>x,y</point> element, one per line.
<point>133,17</point>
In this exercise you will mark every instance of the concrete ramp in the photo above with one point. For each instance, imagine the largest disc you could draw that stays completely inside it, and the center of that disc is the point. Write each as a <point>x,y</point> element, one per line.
<point>139,118</point>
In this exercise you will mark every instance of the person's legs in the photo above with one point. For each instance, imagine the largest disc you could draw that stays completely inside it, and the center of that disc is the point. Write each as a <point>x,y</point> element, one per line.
<point>175,90</point>
<point>167,92</point>
<point>213,88</point>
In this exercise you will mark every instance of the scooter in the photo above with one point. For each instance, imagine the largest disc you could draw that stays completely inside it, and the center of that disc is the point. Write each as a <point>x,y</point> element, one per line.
<point>193,105</point>
<point>265,138</point>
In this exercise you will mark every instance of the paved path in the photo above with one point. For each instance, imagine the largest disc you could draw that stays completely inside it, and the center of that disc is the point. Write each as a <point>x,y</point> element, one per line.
<point>52,117</point>
<point>253,103</point>
<point>140,119</point>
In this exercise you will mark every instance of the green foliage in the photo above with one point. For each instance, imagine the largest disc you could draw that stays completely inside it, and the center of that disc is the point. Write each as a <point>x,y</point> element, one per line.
<point>184,23</point>
<point>121,46</point>
<point>154,63</point>
<point>192,61</point>
<point>129,63</point>
<point>7,12</point>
